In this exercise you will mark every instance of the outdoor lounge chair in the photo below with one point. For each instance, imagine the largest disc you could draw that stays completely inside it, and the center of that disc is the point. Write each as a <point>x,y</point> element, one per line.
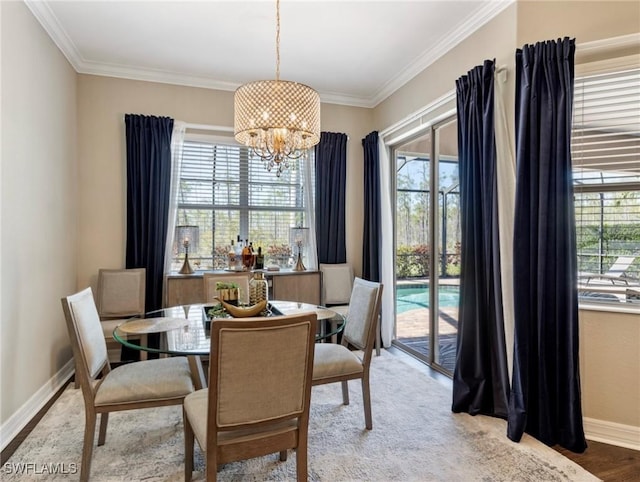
<point>617,273</point>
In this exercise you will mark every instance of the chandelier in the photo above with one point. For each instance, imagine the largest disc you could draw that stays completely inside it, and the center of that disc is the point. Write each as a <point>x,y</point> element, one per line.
<point>277,120</point>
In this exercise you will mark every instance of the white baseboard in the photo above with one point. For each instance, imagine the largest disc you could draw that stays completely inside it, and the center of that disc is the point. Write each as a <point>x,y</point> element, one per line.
<point>612,433</point>
<point>12,427</point>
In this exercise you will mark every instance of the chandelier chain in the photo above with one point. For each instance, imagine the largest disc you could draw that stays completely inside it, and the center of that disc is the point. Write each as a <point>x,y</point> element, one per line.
<point>277,40</point>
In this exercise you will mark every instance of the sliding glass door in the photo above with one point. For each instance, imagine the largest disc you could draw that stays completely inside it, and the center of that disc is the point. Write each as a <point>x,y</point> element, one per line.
<point>427,245</point>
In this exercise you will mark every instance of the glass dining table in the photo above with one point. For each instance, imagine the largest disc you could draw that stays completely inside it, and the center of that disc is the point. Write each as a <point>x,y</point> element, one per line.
<point>184,330</point>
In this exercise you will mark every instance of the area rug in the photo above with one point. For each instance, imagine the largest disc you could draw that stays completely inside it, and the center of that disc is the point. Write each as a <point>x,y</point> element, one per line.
<point>415,437</point>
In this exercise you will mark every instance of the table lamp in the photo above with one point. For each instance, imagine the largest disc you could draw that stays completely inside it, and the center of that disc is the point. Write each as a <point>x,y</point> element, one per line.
<point>299,239</point>
<point>187,237</point>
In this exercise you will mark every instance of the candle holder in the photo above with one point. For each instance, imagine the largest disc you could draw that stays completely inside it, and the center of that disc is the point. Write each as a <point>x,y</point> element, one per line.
<point>187,237</point>
<point>186,267</point>
<point>299,239</point>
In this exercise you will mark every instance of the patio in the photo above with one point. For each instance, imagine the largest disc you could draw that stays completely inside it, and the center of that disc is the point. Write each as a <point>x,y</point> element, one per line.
<point>412,327</point>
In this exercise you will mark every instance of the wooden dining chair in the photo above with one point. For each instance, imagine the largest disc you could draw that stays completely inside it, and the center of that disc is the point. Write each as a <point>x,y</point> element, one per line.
<point>338,362</point>
<point>337,283</point>
<point>145,384</point>
<point>120,295</point>
<point>259,392</point>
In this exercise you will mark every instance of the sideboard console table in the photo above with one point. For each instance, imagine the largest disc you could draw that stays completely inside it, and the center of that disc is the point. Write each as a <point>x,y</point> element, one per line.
<point>302,286</point>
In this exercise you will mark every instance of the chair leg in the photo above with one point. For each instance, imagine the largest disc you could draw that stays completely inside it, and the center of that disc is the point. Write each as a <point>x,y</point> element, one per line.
<point>76,381</point>
<point>283,456</point>
<point>366,401</point>
<point>188,447</point>
<point>345,393</point>
<point>211,466</point>
<point>104,420</point>
<point>301,460</point>
<point>87,447</point>
<point>378,336</point>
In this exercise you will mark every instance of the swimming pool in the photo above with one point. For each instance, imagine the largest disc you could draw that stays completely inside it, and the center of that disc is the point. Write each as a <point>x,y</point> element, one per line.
<point>411,297</point>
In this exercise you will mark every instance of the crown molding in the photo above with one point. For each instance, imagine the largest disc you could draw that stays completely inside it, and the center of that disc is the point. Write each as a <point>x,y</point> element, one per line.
<point>51,25</point>
<point>452,39</point>
<point>154,75</point>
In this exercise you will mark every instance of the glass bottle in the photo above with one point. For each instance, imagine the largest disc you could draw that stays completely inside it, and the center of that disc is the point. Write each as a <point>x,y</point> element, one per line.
<point>231,255</point>
<point>253,256</point>
<point>246,256</point>
<point>260,259</point>
<point>238,251</point>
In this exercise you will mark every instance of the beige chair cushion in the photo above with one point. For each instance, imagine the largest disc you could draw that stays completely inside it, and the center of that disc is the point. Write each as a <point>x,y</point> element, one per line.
<point>146,381</point>
<point>195,407</point>
<point>331,360</point>
<point>87,323</point>
<point>240,353</point>
<point>337,282</point>
<point>121,292</point>
<point>109,325</point>
<point>361,308</point>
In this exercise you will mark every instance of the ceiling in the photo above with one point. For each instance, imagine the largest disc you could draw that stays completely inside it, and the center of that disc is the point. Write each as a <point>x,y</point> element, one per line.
<point>351,52</point>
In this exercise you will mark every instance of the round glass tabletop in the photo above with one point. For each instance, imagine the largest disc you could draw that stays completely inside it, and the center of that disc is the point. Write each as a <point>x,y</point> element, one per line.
<point>184,330</point>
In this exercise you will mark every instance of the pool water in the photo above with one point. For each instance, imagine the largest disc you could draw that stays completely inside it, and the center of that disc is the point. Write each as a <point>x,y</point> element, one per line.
<point>412,297</point>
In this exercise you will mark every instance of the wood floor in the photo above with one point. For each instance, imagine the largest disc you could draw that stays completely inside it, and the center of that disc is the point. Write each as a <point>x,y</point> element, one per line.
<point>607,462</point>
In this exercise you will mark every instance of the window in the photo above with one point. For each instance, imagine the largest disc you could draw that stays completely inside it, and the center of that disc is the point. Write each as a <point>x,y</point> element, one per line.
<point>606,160</point>
<point>228,194</point>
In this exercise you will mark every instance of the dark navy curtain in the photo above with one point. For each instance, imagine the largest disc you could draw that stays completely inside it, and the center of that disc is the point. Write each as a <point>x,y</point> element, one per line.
<point>148,188</point>
<point>331,176</point>
<point>545,395</point>
<point>372,233</point>
<point>481,377</point>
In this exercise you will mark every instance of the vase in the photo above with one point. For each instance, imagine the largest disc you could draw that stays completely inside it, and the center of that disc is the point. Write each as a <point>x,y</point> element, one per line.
<point>258,288</point>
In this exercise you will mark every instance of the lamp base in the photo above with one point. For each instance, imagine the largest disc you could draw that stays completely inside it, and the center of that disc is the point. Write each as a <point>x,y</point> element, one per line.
<point>186,267</point>
<point>299,265</point>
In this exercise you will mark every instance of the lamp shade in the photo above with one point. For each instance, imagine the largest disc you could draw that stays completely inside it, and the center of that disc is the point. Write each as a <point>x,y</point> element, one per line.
<point>299,238</point>
<point>188,233</point>
<point>273,105</point>
<point>277,119</point>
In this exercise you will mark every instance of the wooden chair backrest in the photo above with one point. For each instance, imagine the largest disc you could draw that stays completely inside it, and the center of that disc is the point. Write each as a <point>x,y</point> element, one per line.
<point>260,371</point>
<point>87,339</point>
<point>121,292</point>
<point>364,309</point>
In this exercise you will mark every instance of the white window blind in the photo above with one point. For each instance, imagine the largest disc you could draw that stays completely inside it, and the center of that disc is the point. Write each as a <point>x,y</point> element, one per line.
<point>228,193</point>
<point>605,149</point>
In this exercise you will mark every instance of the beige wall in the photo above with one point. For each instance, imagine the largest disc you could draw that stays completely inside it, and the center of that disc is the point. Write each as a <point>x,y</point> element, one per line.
<point>496,39</point>
<point>102,104</point>
<point>610,366</point>
<point>38,199</point>
<point>584,21</point>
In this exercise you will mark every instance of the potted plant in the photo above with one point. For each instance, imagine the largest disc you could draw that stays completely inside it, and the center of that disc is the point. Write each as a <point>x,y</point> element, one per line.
<point>228,292</point>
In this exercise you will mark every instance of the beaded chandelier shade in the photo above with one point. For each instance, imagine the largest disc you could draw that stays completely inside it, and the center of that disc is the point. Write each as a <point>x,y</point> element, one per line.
<point>277,119</point>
